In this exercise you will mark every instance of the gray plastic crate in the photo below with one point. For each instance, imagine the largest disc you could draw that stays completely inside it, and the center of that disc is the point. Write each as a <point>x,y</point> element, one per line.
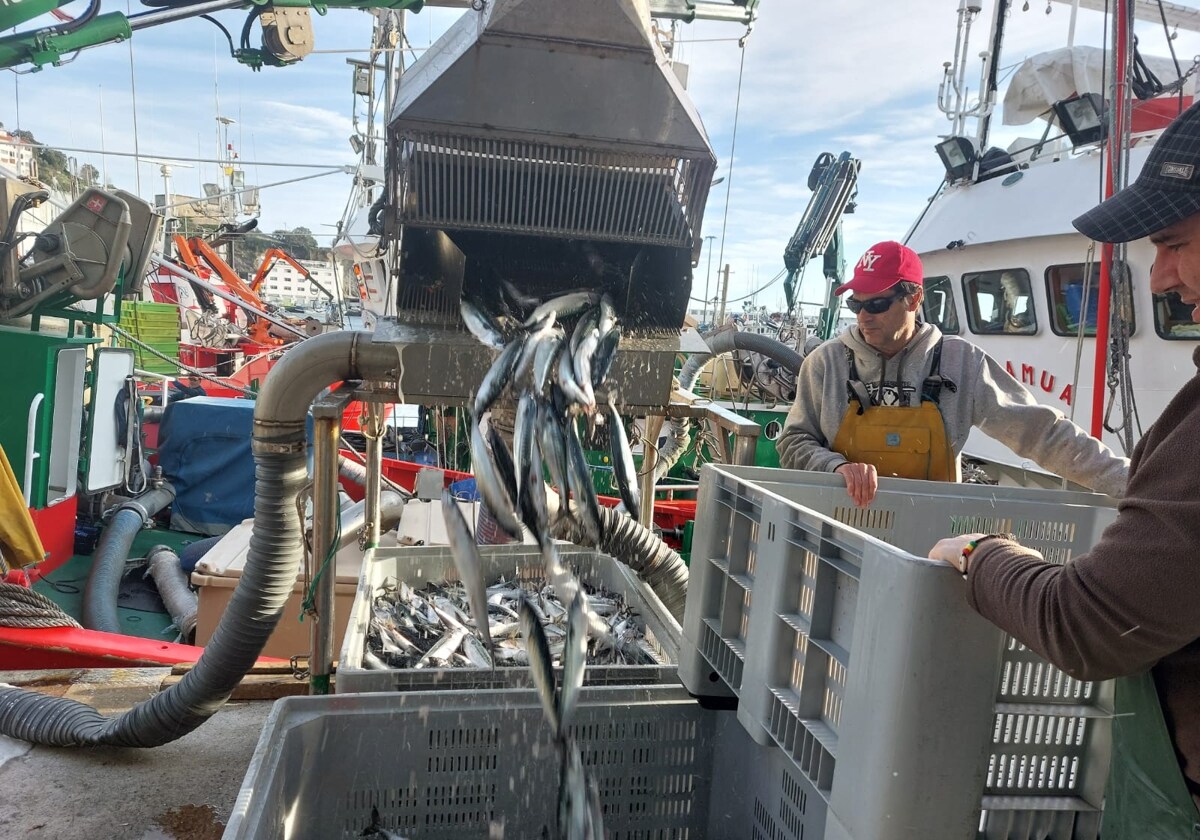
<point>418,566</point>
<point>470,766</point>
<point>863,662</point>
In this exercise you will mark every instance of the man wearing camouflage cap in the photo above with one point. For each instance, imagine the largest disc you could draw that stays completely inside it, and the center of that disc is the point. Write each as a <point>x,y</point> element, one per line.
<point>1130,607</point>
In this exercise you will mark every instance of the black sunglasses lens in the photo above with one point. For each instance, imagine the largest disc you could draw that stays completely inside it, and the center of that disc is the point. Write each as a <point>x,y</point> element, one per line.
<point>876,306</point>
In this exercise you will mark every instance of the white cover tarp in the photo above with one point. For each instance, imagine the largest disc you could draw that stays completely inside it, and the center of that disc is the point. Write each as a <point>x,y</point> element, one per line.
<point>1052,76</point>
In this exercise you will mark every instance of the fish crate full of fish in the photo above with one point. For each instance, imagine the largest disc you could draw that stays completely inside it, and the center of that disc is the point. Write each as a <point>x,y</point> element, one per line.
<point>418,595</point>
<point>484,766</point>
<point>861,660</point>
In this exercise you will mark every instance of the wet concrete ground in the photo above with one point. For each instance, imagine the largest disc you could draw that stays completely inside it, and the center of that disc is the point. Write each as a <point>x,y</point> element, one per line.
<point>179,791</point>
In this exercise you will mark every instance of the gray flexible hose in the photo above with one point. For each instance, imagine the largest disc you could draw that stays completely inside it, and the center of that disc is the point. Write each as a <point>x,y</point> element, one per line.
<point>181,602</point>
<point>271,564</point>
<point>108,562</point>
<point>193,553</point>
<point>719,343</point>
<point>640,549</point>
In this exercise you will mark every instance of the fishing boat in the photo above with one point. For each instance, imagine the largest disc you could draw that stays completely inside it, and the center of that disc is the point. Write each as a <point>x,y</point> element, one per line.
<point>453,127</point>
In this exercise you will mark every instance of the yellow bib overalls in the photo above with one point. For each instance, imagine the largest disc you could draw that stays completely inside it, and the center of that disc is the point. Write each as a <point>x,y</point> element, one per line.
<point>900,441</point>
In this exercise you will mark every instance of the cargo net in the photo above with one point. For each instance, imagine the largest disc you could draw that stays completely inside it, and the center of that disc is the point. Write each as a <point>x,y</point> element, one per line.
<point>471,183</point>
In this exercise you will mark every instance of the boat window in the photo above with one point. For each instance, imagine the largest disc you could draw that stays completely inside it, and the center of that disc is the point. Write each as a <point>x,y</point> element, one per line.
<point>938,305</point>
<point>1173,318</point>
<point>1000,302</point>
<point>1064,286</point>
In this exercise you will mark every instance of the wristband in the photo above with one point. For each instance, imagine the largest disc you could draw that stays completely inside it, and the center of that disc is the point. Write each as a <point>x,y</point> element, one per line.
<point>963,560</point>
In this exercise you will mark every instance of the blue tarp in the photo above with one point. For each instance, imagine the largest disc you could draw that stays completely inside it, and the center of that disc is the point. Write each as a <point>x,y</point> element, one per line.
<point>204,451</point>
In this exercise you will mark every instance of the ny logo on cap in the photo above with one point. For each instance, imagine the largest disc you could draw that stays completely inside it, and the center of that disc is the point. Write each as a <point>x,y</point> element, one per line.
<point>867,263</point>
<point>1182,171</point>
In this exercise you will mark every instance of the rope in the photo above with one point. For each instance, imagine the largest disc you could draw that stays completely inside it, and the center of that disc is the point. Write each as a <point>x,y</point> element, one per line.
<point>21,607</point>
<point>186,368</point>
<point>737,112</point>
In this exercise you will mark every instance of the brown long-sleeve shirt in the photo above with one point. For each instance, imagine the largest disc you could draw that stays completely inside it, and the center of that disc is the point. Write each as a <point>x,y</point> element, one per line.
<point>1133,602</point>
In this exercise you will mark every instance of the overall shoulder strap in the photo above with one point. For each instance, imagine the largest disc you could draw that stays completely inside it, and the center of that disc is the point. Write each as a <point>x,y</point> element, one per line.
<point>856,391</point>
<point>931,390</point>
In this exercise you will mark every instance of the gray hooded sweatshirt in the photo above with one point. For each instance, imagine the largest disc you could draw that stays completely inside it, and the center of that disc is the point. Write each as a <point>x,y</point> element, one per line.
<point>984,395</point>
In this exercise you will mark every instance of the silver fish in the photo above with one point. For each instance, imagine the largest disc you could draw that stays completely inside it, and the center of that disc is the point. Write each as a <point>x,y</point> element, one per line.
<point>491,486</point>
<point>582,361</point>
<point>469,564</point>
<point>554,451</point>
<point>569,386</point>
<point>623,468</point>
<point>480,324</point>
<point>477,655</point>
<point>606,352</point>
<point>574,661</point>
<point>587,506</point>
<point>606,317</point>
<point>524,431</point>
<point>564,305</point>
<point>504,462</point>
<point>443,651</point>
<point>539,663</point>
<point>544,358</point>
<point>497,377</point>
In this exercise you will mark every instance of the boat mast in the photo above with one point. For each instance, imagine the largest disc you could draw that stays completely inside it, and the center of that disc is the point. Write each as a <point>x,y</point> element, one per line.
<point>1116,172</point>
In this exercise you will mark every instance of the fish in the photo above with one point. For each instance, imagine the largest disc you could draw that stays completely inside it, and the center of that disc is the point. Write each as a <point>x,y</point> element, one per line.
<point>544,358</point>
<point>376,831</point>
<point>623,468</point>
<point>606,352</point>
<point>491,486</point>
<point>587,506</point>
<point>524,433</point>
<point>504,462</point>
<point>569,387</point>
<point>481,324</point>
<point>564,305</point>
<point>443,651</point>
<point>582,361</point>
<point>574,661</point>
<point>469,564</point>
<point>497,378</point>
<point>540,665</point>
<point>554,451</point>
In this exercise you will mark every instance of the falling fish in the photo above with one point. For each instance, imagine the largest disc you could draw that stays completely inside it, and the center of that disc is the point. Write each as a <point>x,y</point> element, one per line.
<point>469,565</point>
<point>623,469</point>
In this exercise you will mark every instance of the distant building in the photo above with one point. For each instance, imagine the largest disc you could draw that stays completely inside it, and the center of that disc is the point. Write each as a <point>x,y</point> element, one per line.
<point>285,286</point>
<point>17,155</point>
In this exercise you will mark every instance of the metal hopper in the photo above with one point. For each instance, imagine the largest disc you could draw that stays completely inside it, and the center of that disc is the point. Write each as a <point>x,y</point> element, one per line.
<point>547,143</point>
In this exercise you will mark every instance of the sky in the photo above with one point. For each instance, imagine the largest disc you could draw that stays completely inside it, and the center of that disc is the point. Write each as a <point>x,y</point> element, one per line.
<point>856,75</point>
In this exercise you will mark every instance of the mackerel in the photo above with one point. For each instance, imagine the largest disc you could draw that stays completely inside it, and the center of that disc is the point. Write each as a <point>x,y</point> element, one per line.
<point>539,662</point>
<point>469,564</point>
<point>623,468</point>
<point>497,377</point>
<point>564,305</point>
<point>491,486</point>
<point>481,324</point>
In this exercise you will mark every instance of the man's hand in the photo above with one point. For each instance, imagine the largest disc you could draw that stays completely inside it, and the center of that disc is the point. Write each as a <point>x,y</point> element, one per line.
<point>862,481</point>
<point>950,550</point>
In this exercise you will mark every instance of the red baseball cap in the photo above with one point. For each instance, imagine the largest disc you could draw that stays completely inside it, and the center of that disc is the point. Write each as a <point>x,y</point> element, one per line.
<point>883,266</point>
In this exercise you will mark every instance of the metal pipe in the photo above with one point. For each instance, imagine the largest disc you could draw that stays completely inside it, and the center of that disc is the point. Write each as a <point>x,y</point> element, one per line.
<point>647,477</point>
<point>373,429</point>
<point>174,13</point>
<point>327,430</point>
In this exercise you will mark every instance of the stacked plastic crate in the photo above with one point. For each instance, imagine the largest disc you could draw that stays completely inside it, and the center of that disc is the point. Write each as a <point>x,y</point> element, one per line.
<point>905,714</point>
<point>154,325</point>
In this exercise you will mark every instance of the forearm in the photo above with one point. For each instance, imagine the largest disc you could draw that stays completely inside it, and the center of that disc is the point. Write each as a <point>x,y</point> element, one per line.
<point>801,450</point>
<point>1065,613</point>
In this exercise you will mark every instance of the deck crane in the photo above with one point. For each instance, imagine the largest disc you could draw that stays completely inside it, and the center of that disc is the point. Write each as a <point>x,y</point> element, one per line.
<point>834,185</point>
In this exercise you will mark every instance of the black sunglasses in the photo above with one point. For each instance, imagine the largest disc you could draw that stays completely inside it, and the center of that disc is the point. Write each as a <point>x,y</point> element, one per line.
<point>875,305</point>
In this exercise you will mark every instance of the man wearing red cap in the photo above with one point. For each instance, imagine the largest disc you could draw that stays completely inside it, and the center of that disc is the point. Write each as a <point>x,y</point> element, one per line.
<point>892,396</point>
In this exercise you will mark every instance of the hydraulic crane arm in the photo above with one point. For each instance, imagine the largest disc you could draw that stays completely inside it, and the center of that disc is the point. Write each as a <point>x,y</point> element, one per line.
<point>834,184</point>
<point>274,255</point>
